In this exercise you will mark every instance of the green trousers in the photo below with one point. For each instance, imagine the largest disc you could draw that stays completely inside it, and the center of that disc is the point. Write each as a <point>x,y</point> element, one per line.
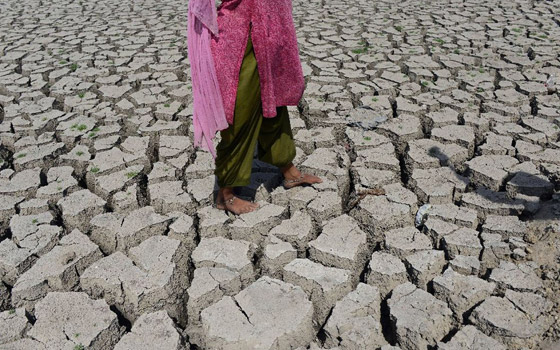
<point>234,153</point>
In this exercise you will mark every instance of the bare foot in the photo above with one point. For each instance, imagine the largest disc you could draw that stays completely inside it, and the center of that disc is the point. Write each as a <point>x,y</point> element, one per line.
<point>226,200</point>
<point>293,177</point>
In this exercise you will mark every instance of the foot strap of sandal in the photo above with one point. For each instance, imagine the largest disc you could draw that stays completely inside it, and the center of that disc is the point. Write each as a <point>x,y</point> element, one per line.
<point>299,179</point>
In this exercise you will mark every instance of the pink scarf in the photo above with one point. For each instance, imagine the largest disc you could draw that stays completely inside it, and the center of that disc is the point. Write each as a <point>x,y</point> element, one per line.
<point>208,111</point>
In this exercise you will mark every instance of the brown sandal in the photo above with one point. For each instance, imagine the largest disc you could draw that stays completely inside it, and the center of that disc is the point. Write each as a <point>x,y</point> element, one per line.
<point>295,182</point>
<point>223,206</point>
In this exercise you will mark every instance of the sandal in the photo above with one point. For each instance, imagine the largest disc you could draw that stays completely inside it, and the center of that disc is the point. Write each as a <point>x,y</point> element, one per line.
<point>223,206</point>
<point>295,182</point>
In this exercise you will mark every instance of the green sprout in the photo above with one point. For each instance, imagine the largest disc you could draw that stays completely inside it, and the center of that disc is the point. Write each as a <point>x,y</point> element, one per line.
<point>73,67</point>
<point>94,170</point>
<point>79,153</point>
<point>131,174</point>
<point>81,94</point>
<point>82,127</point>
<point>21,155</point>
<point>34,221</point>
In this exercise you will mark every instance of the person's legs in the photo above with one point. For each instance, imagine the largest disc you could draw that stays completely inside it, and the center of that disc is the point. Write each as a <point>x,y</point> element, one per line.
<point>234,153</point>
<point>276,147</point>
<point>276,142</point>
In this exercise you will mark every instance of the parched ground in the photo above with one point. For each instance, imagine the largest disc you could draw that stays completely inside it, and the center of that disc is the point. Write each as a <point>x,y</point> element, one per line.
<point>108,237</point>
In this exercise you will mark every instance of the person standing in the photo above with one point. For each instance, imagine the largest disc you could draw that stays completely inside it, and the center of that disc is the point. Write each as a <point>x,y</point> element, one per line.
<point>245,71</point>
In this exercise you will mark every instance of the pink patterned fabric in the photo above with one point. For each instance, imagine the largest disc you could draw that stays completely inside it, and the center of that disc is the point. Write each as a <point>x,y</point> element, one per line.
<point>208,109</point>
<point>276,51</point>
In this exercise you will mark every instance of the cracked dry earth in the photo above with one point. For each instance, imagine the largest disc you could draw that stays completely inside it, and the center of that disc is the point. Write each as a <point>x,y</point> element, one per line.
<point>108,237</point>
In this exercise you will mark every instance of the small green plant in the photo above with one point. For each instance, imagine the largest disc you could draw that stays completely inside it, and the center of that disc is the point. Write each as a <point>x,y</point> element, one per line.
<point>398,28</point>
<point>167,105</point>
<point>375,99</point>
<point>79,153</point>
<point>481,70</point>
<point>94,170</point>
<point>517,30</point>
<point>34,221</point>
<point>367,138</point>
<point>479,89</point>
<point>44,118</point>
<point>59,188</point>
<point>457,51</point>
<point>12,311</point>
<point>76,335</point>
<point>79,347</point>
<point>96,129</point>
<point>82,127</point>
<point>21,155</point>
<point>424,83</point>
<point>81,94</point>
<point>438,40</point>
<point>73,67</point>
<point>62,62</point>
<point>358,51</point>
<point>92,135</point>
<point>131,174</point>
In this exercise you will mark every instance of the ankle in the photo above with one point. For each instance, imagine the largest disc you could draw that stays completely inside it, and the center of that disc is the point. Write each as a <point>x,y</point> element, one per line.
<point>290,171</point>
<point>226,192</point>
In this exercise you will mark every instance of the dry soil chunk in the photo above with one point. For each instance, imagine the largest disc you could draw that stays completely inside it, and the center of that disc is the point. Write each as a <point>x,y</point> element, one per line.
<point>58,270</point>
<point>470,338</point>
<point>425,265</point>
<point>152,331</point>
<point>324,285</point>
<point>405,241</point>
<point>386,271</point>
<point>518,320</point>
<point>61,320</point>
<point>13,324</point>
<point>341,244</point>
<point>221,252</point>
<point>120,232</point>
<point>461,292</point>
<point>355,320</point>
<point>418,318</point>
<point>79,207</point>
<point>269,314</point>
<point>153,278</point>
